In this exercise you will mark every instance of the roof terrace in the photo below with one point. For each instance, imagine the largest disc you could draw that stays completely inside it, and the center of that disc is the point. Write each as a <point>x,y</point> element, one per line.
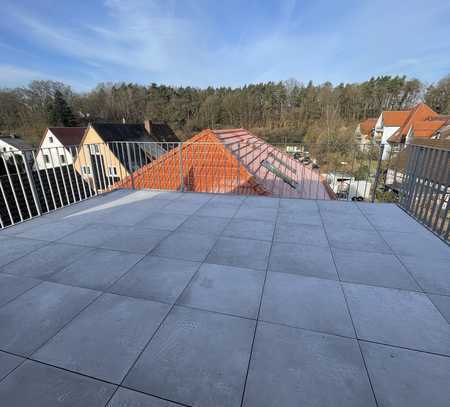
<point>147,298</point>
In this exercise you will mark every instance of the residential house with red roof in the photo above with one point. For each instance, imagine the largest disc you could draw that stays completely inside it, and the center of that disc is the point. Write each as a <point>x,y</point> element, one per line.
<point>364,131</point>
<point>230,161</point>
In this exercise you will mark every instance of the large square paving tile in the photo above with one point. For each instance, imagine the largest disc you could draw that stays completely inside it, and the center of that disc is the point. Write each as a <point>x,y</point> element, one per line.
<point>346,220</point>
<point>183,207</point>
<point>261,202</point>
<point>46,260</point>
<point>135,240</point>
<point>204,224</point>
<point>246,253</point>
<point>433,275</point>
<point>93,235</point>
<point>162,221</point>
<point>12,286</point>
<point>8,363</point>
<point>403,377</point>
<point>197,358</point>
<point>13,248</point>
<point>442,303</point>
<point>38,385</point>
<point>97,269</point>
<point>256,213</point>
<point>226,289</point>
<point>185,246</point>
<point>34,317</point>
<point>305,217</point>
<point>218,209</point>
<point>51,230</point>
<point>129,398</point>
<point>294,367</point>
<point>156,278</point>
<point>356,239</point>
<point>106,338</point>
<point>298,205</point>
<point>306,302</point>
<point>335,206</point>
<point>373,269</point>
<point>308,260</point>
<point>250,229</point>
<point>421,244</point>
<point>396,317</point>
<point>301,234</point>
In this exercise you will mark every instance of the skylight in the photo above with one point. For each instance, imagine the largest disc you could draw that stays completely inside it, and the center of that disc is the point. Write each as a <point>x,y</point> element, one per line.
<point>286,165</point>
<point>288,180</point>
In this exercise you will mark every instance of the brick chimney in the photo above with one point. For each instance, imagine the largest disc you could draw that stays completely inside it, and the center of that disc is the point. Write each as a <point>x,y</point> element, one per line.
<point>148,126</point>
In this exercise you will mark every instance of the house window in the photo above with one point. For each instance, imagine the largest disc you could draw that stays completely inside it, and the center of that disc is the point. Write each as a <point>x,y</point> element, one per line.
<point>112,171</point>
<point>94,148</point>
<point>46,159</point>
<point>86,170</point>
<point>50,139</point>
<point>62,158</point>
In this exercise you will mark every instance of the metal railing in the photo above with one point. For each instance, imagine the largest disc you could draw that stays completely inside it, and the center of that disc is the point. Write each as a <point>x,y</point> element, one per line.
<point>35,182</point>
<point>425,187</point>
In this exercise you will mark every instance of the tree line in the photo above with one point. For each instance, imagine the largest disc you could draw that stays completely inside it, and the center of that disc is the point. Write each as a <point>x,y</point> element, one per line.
<point>288,111</point>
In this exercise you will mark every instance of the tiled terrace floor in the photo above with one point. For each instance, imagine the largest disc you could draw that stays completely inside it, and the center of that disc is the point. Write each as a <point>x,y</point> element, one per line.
<point>165,299</point>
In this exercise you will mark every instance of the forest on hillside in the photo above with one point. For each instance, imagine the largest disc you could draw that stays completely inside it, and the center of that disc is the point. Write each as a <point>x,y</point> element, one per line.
<point>288,111</point>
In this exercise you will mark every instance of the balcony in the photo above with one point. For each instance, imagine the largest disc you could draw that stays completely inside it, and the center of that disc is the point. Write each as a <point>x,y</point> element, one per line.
<point>152,298</point>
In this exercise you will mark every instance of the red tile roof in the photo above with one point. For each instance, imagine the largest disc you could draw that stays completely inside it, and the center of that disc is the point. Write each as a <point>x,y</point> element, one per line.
<point>419,113</point>
<point>367,125</point>
<point>395,118</point>
<point>231,161</point>
<point>68,136</point>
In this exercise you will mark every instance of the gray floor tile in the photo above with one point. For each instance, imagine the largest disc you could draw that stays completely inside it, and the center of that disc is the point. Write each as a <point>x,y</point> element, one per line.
<point>106,338</point>
<point>14,248</point>
<point>432,274</point>
<point>132,214</point>
<point>298,205</point>
<point>403,377</point>
<point>93,235</point>
<point>373,269</point>
<point>195,197</point>
<point>346,220</point>
<point>247,253</point>
<point>306,217</point>
<point>183,208</point>
<point>442,303</point>
<point>338,206</point>
<point>34,317</point>
<point>204,224</point>
<point>12,286</point>
<point>397,317</point>
<point>226,289</point>
<point>163,221</point>
<point>394,220</point>
<point>293,367</point>
<point>312,261</point>
<point>256,213</point>
<point>38,385</point>
<point>171,368</point>
<point>8,363</point>
<point>185,246</point>
<point>261,202</point>
<point>156,278</point>
<point>135,240</point>
<point>97,269</point>
<point>356,239</point>
<point>129,398</point>
<point>50,231</point>
<point>423,244</point>
<point>46,260</point>
<point>301,234</point>
<point>250,229</point>
<point>232,200</point>
<point>306,302</point>
<point>222,210</point>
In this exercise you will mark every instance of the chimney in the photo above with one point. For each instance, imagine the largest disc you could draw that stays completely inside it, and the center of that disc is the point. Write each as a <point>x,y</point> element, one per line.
<point>148,126</point>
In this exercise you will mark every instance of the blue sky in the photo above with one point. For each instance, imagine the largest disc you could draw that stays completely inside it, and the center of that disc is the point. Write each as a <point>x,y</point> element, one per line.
<point>202,43</point>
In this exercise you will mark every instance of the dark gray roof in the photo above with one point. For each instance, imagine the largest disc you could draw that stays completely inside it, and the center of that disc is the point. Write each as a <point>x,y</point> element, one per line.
<point>17,142</point>
<point>122,132</point>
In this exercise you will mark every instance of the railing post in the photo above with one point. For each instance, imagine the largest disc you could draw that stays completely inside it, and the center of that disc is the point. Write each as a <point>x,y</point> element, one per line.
<point>377,174</point>
<point>32,184</point>
<point>180,146</point>
<point>129,166</point>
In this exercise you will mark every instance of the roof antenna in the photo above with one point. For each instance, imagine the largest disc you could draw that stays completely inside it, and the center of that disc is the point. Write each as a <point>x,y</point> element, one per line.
<point>123,120</point>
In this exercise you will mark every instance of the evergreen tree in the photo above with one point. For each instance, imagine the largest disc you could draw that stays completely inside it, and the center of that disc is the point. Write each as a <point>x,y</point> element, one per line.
<point>60,113</point>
